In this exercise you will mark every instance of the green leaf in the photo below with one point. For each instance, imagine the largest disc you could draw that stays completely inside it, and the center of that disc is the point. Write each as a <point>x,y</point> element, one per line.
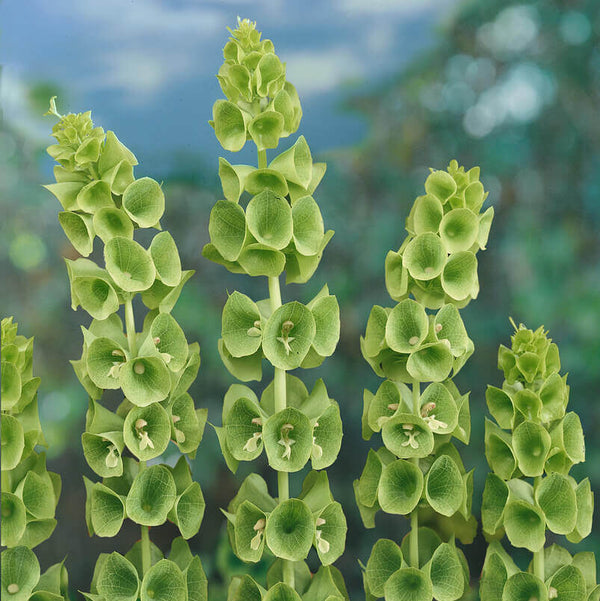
<point>288,440</point>
<point>145,380</point>
<point>400,487</point>
<point>407,435</point>
<point>249,530</point>
<point>241,325</point>
<point>525,525</point>
<point>444,487</point>
<point>233,179</point>
<point>424,256</point>
<point>107,510</point>
<point>151,496</point>
<point>309,229</point>
<point>129,265</point>
<point>524,587</point>
<point>408,584</point>
<point>13,519</point>
<point>94,196</point>
<point>110,222</point>
<point>495,496</point>
<point>459,277</point>
<point>118,579</point>
<point>531,444</point>
<point>266,129</point>
<point>384,560</point>
<point>295,164</point>
<point>459,230</point>
<point>229,124</point>
<point>20,573</point>
<point>431,363</point>
<point>78,229</point>
<point>290,530</point>
<point>330,533</point>
<point>147,431</point>
<point>407,326</point>
<point>441,185</point>
<point>288,335</point>
<point>445,571</point>
<point>13,438</point>
<point>165,257</point>
<point>269,219</point>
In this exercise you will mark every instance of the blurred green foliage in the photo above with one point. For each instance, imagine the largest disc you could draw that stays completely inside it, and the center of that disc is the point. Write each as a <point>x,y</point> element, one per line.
<point>513,87</point>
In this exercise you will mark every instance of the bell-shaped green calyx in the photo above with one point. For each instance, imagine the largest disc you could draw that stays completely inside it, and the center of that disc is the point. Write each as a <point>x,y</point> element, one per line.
<point>448,325</point>
<point>145,380</point>
<point>151,496</point>
<point>408,584</point>
<point>94,196</point>
<point>261,180</point>
<point>385,559</point>
<point>103,451</point>
<point>326,313</point>
<point>233,179</point>
<point>14,519</point>
<point>459,229</point>
<point>144,202</point>
<point>424,256</point>
<point>229,124</point>
<point>227,229</point>
<point>407,435</point>
<point>249,529</point>
<point>495,496</point>
<point>446,573</point>
<point>523,587</point>
<point>330,533</point>
<point>79,230</point>
<point>407,327</point>
<point>295,164</point>
<point>524,524</point>
<point>20,573</point>
<point>308,227</point>
<point>13,441</point>
<point>327,438</point>
<point>96,296</point>
<point>106,509</point>
<point>243,426</point>
<point>110,222</point>
<point>459,276</point>
<point>147,431</point>
<point>531,443</point>
<point>165,257</point>
<point>430,363</point>
<point>129,264</point>
<point>441,185</point>
<point>556,497</point>
<point>269,219</point>
<point>288,440</point>
<point>241,325</point>
<point>164,582</point>
<point>290,529</point>
<point>426,214</point>
<point>444,487</point>
<point>118,579</point>
<point>400,487</point>
<point>266,129</point>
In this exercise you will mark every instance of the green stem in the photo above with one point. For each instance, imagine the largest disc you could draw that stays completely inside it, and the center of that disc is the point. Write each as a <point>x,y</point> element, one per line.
<point>262,159</point>
<point>146,552</point>
<point>280,392</point>
<point>130,326</point>
<point>414,516</point>
<point>538,556</point>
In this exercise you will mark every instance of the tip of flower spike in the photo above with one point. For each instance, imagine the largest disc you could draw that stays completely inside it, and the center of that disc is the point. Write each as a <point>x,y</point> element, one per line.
<point>245,32</point>
<point>52,110</point>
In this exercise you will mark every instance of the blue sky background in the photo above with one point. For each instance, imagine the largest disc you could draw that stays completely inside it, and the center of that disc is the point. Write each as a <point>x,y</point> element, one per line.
<point>147,68</point>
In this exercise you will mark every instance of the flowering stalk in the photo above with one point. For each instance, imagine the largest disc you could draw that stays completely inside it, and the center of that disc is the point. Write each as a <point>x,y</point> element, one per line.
<point>150,364</point>
<point>269,223</point>
<point>29,491</point>
<point>531,448</point>
<point>418,472</point>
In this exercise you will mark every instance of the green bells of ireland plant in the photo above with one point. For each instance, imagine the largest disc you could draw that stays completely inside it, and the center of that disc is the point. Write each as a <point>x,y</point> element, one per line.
<point>269,223</point>
<point>29,491</point>
<point>531,447</point>
<point>149,365</point>
<point>418,472</point>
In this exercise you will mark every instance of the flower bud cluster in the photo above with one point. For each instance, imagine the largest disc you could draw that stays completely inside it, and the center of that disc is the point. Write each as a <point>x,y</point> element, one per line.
<point>419,471</point>
<point>533,436</point>
<point>268,224</point>
<point>151,369</point>
<point>29,491</point>
<point>437,262</point>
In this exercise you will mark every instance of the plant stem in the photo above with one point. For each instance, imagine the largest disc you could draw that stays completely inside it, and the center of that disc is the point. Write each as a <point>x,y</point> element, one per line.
<point>414,516</point>
<point>262,159</point>
<point>280,393</point>
<point>146,552</point>
<point>130,326</point>
<point>538,556</point>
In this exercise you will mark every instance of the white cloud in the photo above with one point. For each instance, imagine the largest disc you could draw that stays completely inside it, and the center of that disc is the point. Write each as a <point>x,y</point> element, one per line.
<point>322,71</point>
<point>366,8</point>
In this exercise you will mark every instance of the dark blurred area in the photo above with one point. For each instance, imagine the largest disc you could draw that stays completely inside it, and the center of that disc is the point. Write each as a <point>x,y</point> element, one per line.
<point>512,87</point>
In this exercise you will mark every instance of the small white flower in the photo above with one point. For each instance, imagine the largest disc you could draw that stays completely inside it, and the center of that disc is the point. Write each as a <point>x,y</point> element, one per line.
<point>412,435</point>
<point>285,441</point>
<point>322,544</point>
<point>112,459</point>
<point>252,443</point>
<point>259,528</point>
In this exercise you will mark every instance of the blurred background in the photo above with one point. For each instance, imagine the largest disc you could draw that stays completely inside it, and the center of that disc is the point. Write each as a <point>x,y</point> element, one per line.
<point>389,88</point>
